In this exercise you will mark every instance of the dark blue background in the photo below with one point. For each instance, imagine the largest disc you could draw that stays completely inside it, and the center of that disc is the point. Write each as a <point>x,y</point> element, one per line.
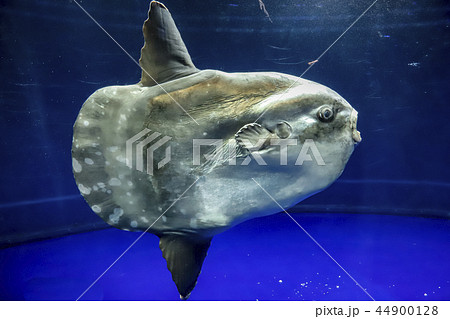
<point>392,66</point>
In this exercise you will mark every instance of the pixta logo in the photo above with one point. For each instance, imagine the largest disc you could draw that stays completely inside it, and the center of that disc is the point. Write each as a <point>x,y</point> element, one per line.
<point>144,144</point>
<point>146,141</point>
<point>281,144</point>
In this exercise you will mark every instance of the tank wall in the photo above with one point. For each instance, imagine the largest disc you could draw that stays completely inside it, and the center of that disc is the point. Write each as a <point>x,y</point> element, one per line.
<point>391,66</point>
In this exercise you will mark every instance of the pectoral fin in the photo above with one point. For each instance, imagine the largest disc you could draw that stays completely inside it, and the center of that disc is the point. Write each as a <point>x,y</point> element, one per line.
<point>254,137</point>
<point>184,256</point>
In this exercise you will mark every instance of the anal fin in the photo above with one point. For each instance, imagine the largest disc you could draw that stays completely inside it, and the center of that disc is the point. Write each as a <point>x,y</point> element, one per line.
<point>184,256</point>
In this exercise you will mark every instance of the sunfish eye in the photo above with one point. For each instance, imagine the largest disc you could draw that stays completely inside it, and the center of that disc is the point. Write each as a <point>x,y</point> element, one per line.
<point>283,129</point>
<point>325,114</point>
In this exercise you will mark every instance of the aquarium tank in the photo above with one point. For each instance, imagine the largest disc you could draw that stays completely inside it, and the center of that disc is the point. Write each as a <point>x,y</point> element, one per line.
<point>381,231</point>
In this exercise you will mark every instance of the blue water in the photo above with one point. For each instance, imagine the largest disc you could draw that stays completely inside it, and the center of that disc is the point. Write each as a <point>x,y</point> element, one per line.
<point>386,220</point>
<point>392,257</point>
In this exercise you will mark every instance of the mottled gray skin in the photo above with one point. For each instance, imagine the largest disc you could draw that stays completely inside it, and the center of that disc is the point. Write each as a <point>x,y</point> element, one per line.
<point>221,103</point>
<point>209,198</point>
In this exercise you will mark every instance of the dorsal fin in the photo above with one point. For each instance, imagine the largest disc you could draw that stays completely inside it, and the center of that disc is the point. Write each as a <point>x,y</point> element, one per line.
<point>184,256</point>
<point>164,56</point>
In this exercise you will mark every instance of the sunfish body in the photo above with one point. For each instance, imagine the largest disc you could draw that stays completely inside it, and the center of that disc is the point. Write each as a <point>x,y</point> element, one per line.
<point>186,154</point>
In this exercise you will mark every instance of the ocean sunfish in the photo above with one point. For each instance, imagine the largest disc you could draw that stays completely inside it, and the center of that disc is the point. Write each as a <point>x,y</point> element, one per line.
<point>185,153</point>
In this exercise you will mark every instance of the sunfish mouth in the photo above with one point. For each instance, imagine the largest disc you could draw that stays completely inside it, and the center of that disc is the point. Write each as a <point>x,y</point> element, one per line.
<point>356,135</point>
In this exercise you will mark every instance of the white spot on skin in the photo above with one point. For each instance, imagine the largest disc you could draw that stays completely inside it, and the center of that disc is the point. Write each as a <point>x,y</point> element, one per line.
<point>96,209</point>
<point>76,166</point>
<point>193,223</point>
<point>88,161</point>
<point>133,224</point>
<point>114,182</point>
<point>120,158</point>
<point>164,218</point>
<point>130,183</point>
<point>113,149</point>
<point>86,123</point>
<point>115,217</point>
<point>145,220</point>
<point>123,117</point>
<point>101,185</point>
<point>98,153</point>
<point>95,188</point>
<point>83,189</point>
